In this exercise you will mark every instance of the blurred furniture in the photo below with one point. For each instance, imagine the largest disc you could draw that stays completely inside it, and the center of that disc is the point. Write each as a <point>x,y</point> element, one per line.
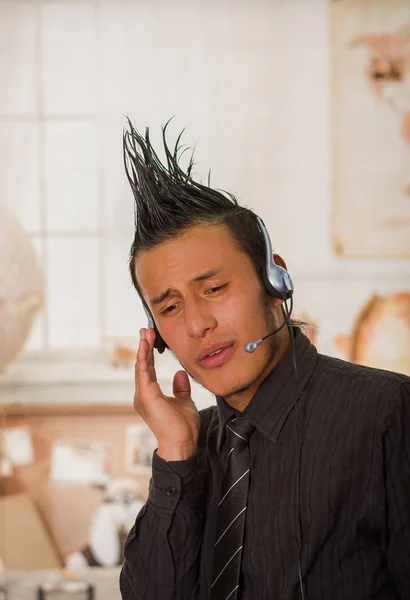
<point>64,511</point>
<point>23,585</point>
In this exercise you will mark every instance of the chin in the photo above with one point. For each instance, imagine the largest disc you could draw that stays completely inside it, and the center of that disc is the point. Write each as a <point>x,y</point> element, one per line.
<point>235,376</point>
<point>225,386</point>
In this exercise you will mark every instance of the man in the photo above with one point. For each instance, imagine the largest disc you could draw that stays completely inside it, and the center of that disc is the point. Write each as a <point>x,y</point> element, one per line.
<point>297,484</point>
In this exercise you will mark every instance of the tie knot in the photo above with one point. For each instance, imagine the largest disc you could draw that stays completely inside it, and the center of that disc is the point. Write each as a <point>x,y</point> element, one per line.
<point>239,431</point>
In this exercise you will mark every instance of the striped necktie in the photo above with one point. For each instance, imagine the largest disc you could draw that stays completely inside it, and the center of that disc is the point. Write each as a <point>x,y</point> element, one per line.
<point>231,516</point>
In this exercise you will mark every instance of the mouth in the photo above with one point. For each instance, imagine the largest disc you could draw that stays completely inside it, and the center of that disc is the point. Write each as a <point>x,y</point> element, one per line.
<point>216,355</point>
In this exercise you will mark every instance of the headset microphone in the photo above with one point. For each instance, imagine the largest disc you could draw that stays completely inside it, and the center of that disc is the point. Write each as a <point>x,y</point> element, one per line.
<point>251,346</point>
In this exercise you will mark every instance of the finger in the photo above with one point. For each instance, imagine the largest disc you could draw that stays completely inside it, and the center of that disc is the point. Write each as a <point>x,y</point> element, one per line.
<point>146,385</point>
<point>181,386</point>
<point>150,338</point>
<point>140,361</point>
<point>143,371</point>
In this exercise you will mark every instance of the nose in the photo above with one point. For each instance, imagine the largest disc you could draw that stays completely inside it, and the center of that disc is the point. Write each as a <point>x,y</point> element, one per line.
<point>199,319</point>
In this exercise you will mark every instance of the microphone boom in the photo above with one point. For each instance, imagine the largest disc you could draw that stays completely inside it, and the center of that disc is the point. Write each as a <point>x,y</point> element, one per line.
<point>251,346</point>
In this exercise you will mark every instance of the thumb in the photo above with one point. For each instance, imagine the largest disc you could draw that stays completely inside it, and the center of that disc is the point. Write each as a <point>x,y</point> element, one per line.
<point>181,386</point>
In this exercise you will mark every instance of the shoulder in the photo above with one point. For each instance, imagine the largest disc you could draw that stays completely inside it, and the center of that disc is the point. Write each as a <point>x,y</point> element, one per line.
<point>335,367</point>
<point>385,388</point>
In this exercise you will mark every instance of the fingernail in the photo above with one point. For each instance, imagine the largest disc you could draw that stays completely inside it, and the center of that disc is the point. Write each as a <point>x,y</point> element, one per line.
<point>143,334</point>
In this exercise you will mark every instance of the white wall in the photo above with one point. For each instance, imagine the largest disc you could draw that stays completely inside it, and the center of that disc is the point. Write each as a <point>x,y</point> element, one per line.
<point>250,78</point>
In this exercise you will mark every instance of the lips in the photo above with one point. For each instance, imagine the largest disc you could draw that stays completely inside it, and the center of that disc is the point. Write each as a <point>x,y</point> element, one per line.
<point>215,355</point>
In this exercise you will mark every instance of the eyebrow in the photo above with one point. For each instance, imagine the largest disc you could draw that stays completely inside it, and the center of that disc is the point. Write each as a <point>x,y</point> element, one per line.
<point>202,277</point>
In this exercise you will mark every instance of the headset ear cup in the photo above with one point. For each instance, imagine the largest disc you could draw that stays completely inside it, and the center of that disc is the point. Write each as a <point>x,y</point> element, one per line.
<point>159,344</point>
<point>269,287</point>
<point>277,280</point>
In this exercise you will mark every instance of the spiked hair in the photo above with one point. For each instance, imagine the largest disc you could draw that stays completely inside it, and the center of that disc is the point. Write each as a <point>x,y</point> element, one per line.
<point>168,201</point>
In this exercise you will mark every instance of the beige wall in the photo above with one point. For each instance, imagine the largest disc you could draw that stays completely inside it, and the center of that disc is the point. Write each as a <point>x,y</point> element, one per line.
<point>250,78</point>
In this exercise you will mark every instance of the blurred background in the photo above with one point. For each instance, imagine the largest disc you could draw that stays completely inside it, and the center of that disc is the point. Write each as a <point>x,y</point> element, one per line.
<point>299,107</point>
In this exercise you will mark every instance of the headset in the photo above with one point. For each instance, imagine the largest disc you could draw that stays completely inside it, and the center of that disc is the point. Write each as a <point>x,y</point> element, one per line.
<point>278,282</point>
<point>159,343</point>
<point>276,279</point>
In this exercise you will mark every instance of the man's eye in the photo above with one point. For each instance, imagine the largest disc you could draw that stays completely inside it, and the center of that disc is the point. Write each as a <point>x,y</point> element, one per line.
<point>169,309</point>
<point>216,289</point>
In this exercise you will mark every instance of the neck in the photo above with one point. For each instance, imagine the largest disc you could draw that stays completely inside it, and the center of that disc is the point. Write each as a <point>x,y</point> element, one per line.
<point>240,399</point>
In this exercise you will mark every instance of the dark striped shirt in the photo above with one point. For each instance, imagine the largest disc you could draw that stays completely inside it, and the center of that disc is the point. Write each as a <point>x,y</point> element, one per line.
<point>353,443</point>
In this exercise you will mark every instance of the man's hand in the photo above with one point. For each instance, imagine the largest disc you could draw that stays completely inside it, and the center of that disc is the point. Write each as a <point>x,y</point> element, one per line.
<point>173,420</point>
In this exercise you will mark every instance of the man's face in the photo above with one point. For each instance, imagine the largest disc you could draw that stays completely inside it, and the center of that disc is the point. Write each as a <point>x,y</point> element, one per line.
<point>207,303</point>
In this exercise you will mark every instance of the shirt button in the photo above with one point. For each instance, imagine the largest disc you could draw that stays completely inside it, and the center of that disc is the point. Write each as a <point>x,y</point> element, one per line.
<point>171,491</point>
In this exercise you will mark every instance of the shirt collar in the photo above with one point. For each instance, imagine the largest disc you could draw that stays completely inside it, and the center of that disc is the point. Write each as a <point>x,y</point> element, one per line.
<point>275,398</point>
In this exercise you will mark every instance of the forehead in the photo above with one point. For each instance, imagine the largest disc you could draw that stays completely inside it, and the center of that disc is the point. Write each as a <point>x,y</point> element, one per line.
<point>186,257</point>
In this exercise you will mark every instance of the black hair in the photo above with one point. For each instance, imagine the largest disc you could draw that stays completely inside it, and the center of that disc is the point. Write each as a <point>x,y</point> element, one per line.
<point>168,201</point>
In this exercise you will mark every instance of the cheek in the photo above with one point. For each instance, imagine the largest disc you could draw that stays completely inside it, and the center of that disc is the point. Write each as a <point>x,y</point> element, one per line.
<point>243,315</point>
